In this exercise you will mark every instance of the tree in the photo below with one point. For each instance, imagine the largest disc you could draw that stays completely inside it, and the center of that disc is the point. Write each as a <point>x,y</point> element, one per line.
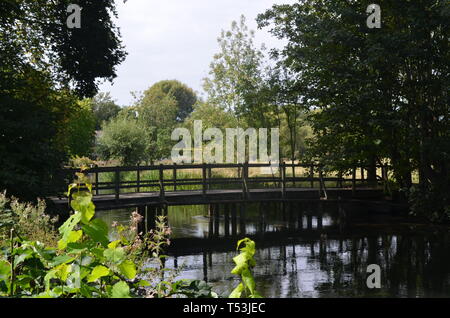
<point>161,109</point>
<point>123,139</point>
<point>236,70</point>
<point>81,129</point>
<point>104,107</point>
<point>44,68</point>
<point>184,96</point>
<point>36,30</point>
<point>379,94</point>
<point>212,117</point>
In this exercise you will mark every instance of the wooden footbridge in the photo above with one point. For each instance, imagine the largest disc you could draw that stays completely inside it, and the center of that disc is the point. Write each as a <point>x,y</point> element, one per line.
<point>160,186</point>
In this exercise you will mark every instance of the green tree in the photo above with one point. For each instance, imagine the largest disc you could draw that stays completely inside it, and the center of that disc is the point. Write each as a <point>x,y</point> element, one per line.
<point>81,129</point>
<point>160,109</point>
<point>123,139</point>
<point>184,97</point>
<point>104,107</point>
<point>42,61</point>
<point>236,70</point>
<point>378,94</point>
<point>211,116</point>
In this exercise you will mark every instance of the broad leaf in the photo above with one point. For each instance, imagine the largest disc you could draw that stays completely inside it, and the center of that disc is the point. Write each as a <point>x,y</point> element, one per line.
<point>114,255</point>
<point>98,231</point>
<point>120,290</point>
<point>98,272</point>
<point>128,269</point>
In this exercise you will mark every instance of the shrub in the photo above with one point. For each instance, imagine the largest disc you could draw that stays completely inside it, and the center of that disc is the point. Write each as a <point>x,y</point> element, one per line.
<point>29,221</point>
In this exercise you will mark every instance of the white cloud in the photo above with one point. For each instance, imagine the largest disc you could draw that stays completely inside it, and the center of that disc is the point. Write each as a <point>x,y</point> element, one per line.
<point>176,39</point>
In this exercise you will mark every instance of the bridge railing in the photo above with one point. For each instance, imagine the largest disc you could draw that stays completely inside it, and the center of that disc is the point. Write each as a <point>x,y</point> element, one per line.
<point>206,177</point>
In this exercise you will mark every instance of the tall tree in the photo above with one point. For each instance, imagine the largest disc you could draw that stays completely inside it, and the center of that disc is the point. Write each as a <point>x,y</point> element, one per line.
<point>42,61</point>
<point>380,93</point>
<point>236,73</point>
<point>183,95</point>
<point>104,108</point>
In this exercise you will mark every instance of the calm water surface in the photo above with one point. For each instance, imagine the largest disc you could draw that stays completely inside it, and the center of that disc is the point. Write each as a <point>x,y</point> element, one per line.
<point>300,254</point>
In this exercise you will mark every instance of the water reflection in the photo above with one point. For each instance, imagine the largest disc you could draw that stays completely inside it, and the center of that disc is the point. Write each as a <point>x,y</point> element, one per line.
<point>309,249</point>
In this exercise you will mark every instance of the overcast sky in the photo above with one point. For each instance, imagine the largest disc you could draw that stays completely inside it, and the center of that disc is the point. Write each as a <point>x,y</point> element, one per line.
<point>176,39</point>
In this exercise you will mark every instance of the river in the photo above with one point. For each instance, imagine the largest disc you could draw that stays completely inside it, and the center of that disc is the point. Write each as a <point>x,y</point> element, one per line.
<point>311,250</point>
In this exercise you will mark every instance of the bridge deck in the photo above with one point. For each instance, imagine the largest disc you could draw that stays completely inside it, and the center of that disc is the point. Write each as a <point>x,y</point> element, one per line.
<point>199,197</point>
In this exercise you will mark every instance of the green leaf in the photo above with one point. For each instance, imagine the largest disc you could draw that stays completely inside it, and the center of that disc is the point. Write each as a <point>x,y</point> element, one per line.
<point>120,290</point>
<point>114,244</point>
<point>98,231</point>
<point>237,292</point>
<point>247,279</point>
<point>66,229</point>
<point>128,269</point>
<point>114,255</point>
<point>63,271</point>
<point>5,270</point>
<point>241,263</point>
<point>63,259</point>
<point>82,202</point>
<point>98,272</point>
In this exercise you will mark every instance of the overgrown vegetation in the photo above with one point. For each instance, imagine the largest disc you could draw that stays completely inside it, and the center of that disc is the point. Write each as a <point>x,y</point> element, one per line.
<point>83,259</point>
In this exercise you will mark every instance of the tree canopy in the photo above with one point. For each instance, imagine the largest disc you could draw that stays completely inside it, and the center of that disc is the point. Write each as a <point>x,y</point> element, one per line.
<point>380,95</point>
<point>45,67</point>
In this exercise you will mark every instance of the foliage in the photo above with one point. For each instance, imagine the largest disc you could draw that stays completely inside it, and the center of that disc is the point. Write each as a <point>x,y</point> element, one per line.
<point>237,66</point>
<point>28,220</point>
<point>244,263</point>
<point>41,62</point>
<point>124,139</point>
<point>80,129</point>
<point>104,108</point>
<point>81,162</point>
<point>374,95</point>
<point>183,95</point>
<point>33,32</point>
<point>86,262</point>
<point>32,134</point>
<point>160,110</point>
<point>211,116</point>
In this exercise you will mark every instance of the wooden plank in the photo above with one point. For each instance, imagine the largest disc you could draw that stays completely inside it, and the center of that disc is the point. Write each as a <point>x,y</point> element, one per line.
<point>174,177</point>
<point>117,184</point>
<point>161,183</point>
<point>138,179</point>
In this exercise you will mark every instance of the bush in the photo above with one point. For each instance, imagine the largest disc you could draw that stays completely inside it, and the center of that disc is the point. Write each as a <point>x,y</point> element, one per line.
<point>30,221</point>
<point>123,139</point>
<point>86,263</point>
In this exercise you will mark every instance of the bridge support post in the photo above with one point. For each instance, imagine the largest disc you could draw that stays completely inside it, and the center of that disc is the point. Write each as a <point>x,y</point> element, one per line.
<point>117,184</point>
<point>309,221</point>
<point>151,217</point>
<point>291,224</point>
<point>300,216</point>
<point>354,182</point>
<point>216,220</point>
<point>234,219</point>
<point>227,220</point>
<point>283,180</point>
<point>211,220</point>
<point>242,208</point>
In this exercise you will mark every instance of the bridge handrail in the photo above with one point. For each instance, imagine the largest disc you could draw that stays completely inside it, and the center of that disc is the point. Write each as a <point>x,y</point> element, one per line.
<point>205,179</point>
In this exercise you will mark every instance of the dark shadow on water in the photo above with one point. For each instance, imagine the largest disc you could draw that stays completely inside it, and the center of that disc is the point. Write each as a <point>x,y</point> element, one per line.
<point>310,249</point>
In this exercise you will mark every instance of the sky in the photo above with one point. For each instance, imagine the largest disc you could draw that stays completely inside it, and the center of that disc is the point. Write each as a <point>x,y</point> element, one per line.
<point>177,39</point>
